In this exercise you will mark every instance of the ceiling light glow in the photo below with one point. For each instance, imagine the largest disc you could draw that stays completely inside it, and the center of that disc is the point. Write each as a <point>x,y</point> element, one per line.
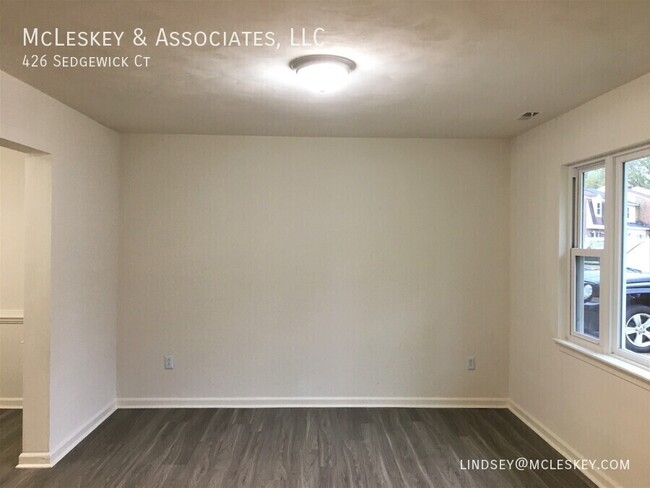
<point>322,73</point>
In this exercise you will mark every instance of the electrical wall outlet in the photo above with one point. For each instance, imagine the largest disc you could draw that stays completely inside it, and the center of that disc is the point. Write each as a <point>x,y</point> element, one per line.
<point>471,363</point>
<point>169,362</point>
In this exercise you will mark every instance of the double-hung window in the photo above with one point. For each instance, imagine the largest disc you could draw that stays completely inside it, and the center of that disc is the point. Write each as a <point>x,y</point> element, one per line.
<point>610,256</point>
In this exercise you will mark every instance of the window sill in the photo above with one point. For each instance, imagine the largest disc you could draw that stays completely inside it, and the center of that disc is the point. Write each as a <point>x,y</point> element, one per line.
<point>607,362</point>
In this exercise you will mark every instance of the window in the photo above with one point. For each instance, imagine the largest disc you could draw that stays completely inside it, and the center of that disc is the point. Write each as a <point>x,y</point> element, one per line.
<point>587,250</point>
<point>635,257</point>
<point>610,256</point>
<point>599,209</point>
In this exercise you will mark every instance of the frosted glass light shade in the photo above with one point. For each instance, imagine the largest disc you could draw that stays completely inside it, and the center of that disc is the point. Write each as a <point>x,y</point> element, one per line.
<point>322,73</point>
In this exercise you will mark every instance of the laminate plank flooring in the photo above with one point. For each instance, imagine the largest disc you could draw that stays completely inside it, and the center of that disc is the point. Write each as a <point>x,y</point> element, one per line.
<point>292,447</point>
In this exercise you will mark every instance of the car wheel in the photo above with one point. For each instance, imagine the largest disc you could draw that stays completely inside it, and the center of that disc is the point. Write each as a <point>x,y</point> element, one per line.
<point>637,329</point>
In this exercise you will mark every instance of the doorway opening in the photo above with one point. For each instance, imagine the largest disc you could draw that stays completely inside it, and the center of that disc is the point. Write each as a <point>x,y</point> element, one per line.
<point>25,248</point>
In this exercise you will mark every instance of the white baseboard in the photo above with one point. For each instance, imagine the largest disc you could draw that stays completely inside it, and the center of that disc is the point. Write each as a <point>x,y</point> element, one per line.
<point>302,402</point>
<point>11,403</point>
<point>68,444</point>
<point>34,460</point>
<point>47,460</point>
<point>598,477</point>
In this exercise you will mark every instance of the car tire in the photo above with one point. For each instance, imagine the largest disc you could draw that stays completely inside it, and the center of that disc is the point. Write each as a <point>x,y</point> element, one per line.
<point>637,329</point>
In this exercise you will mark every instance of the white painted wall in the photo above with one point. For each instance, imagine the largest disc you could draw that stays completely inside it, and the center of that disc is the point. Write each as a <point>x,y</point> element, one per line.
<point>594,412</point>
<point>72,363</point>
<point>12,272</point>
<point>313,267</point>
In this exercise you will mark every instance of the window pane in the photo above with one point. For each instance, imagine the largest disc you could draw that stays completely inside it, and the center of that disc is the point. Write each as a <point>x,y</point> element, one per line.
<point>635,334</point>
<point>587,298</point>
<point>593,209</point>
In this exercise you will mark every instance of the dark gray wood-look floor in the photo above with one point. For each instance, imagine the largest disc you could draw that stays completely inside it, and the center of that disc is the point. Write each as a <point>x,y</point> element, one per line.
<point>316,447</point>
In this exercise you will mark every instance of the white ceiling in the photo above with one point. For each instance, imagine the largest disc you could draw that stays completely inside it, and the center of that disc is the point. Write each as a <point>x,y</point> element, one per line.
<point>425,69</point>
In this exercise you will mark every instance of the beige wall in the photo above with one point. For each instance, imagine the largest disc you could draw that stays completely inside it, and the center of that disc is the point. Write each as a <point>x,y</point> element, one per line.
<point>70,345</point>
<point>588,408</point>
<point>12,271</point>
<point>298,267</point>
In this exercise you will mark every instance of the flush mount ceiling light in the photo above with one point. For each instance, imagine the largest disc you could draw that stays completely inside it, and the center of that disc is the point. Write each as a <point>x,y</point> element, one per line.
<point>322,73</point>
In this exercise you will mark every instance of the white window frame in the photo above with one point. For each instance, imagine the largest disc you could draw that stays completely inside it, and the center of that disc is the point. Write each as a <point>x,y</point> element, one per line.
<point>612,294</point>
<point>618,315</point>
<point>577,250</point>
